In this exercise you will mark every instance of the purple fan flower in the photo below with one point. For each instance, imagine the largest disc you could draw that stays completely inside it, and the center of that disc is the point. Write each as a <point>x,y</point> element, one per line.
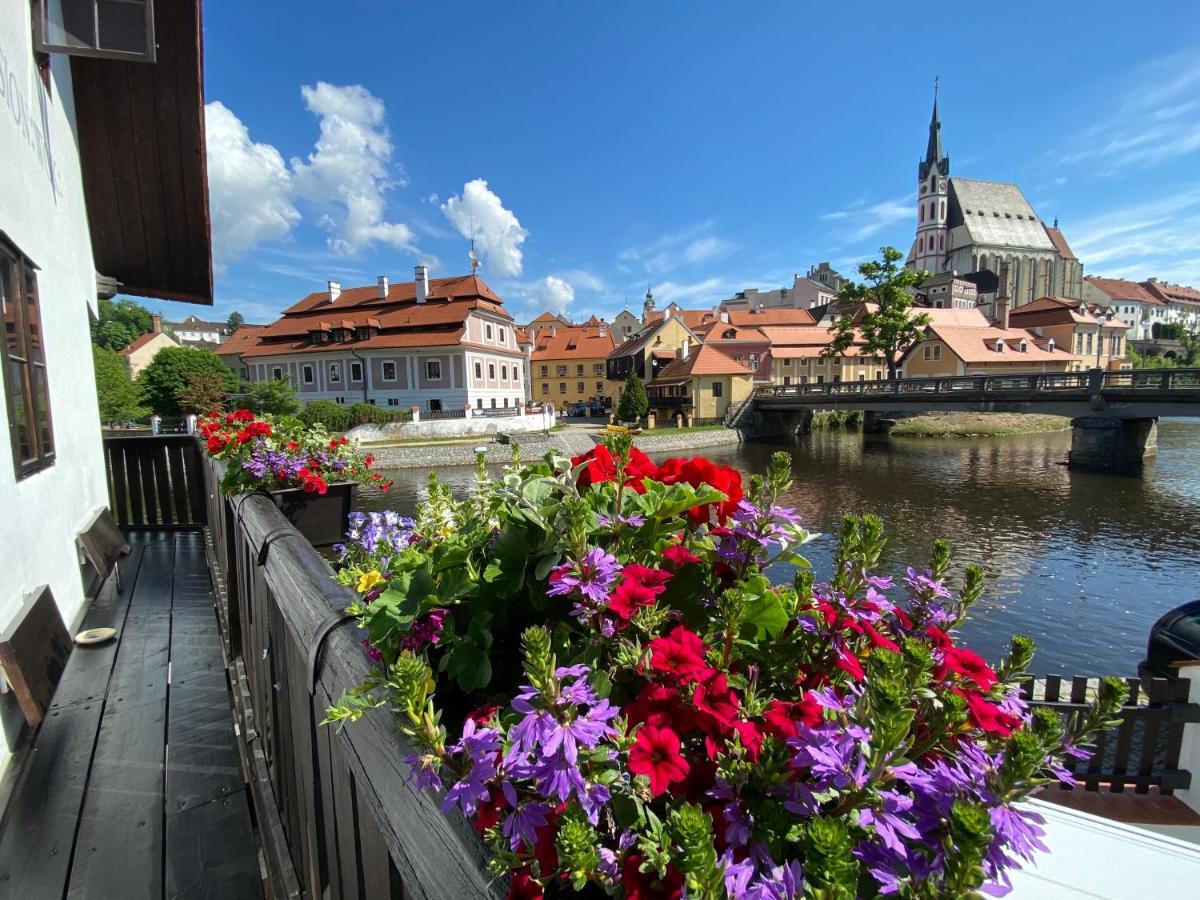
<point>593,576</point>
<point>523,822</point>
<point>478,748</point>
<point>424,771</point>
<point>888,823</point>
<point>783,882</point>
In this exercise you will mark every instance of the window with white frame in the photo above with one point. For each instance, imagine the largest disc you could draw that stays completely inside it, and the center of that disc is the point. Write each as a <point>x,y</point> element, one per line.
<point>277,373</point>
<point>492,371</point>
<point>22,357</point>
<point>478,370</point>
<point>433,369</point>
<point>307,374</point>
<point>388,370</point>
<point>335,373</point>
<point>504,372</point>
<point>355,371</point>
<point>487,330</point>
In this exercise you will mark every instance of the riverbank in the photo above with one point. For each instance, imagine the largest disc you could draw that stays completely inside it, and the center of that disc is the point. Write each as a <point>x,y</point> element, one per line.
<point>978,425</point>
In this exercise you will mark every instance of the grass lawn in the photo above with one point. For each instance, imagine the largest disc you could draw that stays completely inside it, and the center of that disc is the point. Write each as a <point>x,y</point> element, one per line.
<point>668,429</point>
<point>978,424</point>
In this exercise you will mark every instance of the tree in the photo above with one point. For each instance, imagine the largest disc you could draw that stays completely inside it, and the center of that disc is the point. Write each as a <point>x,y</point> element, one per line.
<point>890,328</point>
<point>202,392</point>
<point>119,398</point>
<point>275,396</point>
<point>121,322</point>
<point>235,320</point>
<point>633,404</point>
<point>165,378</point>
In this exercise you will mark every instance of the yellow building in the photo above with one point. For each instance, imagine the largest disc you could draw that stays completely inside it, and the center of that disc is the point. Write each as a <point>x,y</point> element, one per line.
<point>797,357</point>
<point>570,364</point>
<point>140,352</point>
<point>698,386</point>
<point>949,350</point>
<point>648,351</point>
<point>1097,341</point>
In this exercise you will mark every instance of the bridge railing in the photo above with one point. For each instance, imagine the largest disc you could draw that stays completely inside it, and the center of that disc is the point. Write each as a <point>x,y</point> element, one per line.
<point>1085,383</point>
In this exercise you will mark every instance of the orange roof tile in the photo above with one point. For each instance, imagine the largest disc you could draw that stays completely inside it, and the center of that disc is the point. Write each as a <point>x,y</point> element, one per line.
<point>1120,289</point>
<point>139,342</point>
<point>241,340</point>
<point>574,343</point>
<point>756,317</point>
<point>705,360</point>
<point>458,287</point>
<point>1059,242</point>
<point>978,345</point>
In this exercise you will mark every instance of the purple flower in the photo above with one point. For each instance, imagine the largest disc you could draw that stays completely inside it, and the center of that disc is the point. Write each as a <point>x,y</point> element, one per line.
<point>783,882</point>
<point>523,822</point>
<point>478,748</point>
<point>586,730</point>
<point>424,771</point>
<point>427,630</point>
<point>737,875</point>
<point>558,777</point>
<point>593,577</point>
<point>832,755</point>
<point>888,823</point>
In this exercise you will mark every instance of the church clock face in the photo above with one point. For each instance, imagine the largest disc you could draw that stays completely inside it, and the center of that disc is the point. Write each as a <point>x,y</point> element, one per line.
<point>923,189</point>
<point>941,185</point>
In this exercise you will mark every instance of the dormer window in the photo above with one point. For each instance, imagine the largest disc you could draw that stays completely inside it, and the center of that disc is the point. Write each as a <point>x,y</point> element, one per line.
<point>362,332</point>
<point>1023,346</point>
<point>999,345</point>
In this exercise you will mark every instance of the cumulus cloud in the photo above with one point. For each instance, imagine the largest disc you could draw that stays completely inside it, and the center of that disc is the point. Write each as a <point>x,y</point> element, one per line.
<point>249,187</point>
<point>479,214</point>
<point>554,293</point>
<point>253,191</point>
<point>350,169</point>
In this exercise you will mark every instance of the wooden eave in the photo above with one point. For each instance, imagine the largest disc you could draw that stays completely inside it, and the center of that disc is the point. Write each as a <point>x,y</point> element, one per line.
<point>142,152</point>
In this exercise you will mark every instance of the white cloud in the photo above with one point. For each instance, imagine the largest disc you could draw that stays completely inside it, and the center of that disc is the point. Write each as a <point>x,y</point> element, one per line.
<point>1152,120</point>
<point>249,187</point>
<point>710,291</point>
<point>1159,238</point>
<point>479,214</point>
<point>586,280</point>
<point>858,221</point>
<point>350,169</point>
<point>554,294</point>
<point>431,198</point>
<point>688,246</point>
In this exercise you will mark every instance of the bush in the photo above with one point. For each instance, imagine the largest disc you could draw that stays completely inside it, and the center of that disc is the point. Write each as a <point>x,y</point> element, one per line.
<point>118,396</point>
<point>369,414</point>
<point>166,377</point>
<point>633,404</point>
<point>274,397</point>
<point>325,412</point>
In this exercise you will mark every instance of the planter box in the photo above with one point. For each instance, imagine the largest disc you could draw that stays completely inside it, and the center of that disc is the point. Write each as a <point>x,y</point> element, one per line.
<point>321,518</point>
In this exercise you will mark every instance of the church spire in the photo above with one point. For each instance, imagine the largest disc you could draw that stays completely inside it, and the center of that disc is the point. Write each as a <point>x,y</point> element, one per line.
<point>934,155</point>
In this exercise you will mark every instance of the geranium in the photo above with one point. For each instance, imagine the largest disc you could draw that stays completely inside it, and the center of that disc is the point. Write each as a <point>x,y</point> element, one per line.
<point>709,733</point>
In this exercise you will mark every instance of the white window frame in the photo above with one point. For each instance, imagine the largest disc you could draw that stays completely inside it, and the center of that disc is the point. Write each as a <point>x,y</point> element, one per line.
<point>478,370</point>
<point>307,374</point>
<point>429,376</point>
<point>353,366</point>
<point>42,43</point>
<point>335,373</point>
<point>277,373</point>
<point>383,367</point>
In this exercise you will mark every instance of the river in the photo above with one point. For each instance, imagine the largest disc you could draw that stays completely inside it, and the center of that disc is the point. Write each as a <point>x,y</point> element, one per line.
<point>1081,562</point>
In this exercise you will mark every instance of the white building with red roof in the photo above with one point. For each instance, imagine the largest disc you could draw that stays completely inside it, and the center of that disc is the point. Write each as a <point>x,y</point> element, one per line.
<point>439,344</point>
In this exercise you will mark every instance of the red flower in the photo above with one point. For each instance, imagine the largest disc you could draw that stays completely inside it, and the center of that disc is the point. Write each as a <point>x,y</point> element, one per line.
<point>987,716</point>
<point>628,598</point>
<point>938,638</point>
<point>681,654</point>
<point>333,443</point>
<point>545,851</point>
<point>484,714</point>
<point>781,716</point>
<point>368,460</point>
<point>654,579</point>
<point>521,886</point>
<point>878,640</point>
<point>292,445</point>
<point>962,661</point>
<point>253,430</point>
<point>488,812</point>
<point>217,443</point>
<point>656,755</point>
<point>699,471</point>
<point>718,704</point>
<point>848,663</point>
<point>647,885</point>
<point>661,706</point>
<point>600,465</point>
<point>240,415</point>
<point>678,556</point>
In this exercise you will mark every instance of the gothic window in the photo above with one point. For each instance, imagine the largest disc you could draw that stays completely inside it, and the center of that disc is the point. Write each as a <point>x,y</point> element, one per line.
<point>941,242</point>
<point>943,209</point>
<point>922,212</point>
<point>921,245</point>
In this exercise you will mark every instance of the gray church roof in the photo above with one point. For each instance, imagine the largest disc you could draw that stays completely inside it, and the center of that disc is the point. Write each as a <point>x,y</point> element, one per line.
<point>995,215</point>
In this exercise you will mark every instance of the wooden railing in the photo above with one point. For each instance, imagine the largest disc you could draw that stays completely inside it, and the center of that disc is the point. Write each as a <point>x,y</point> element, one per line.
<point>349,823</point>
<point>155,481</point>
<point>1142,750</point>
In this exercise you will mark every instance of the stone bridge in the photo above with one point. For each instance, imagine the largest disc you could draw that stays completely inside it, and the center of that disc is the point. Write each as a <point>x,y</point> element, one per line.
<point>1113,415</point>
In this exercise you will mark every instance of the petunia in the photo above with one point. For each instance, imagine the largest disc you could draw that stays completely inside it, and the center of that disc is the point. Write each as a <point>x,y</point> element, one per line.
<point>681,653</point>
<point>656,754</point>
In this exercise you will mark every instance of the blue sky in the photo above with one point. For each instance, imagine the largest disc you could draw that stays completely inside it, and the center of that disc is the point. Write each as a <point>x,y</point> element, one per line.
<point>700,148</point>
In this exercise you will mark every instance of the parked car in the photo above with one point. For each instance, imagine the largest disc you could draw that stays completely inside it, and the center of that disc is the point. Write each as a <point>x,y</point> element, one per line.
<point>1175,637</point>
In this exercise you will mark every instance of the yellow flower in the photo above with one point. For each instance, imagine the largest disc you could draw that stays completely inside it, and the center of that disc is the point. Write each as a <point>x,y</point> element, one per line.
<point>368,580</point>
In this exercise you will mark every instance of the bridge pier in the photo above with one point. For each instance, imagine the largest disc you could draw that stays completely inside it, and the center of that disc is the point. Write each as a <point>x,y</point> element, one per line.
<point>876,423</point>
<point>1110,444</point>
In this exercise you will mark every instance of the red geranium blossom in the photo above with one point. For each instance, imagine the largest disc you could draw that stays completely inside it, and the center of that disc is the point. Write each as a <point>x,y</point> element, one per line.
<point>962,661</point>
<point>681,653</point>
<point>600,465</point>
<point>217,443</point>
<point>661,706</point>
<point>647,885</point>
<point>488,813</point>
<point>699,471</point>
<point>656,755</point>
<point>848,663</point>
<point>938,638</point>
<point>628,598</point>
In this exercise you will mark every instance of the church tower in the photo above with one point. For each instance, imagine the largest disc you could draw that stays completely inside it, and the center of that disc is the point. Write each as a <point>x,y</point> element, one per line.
<point>647,306</point>
<point>933,175</point>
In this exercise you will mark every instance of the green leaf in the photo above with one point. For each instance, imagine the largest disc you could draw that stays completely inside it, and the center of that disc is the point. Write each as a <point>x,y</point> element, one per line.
<point>492,572</point>
<point>542,570</point>
<point>469,665</point>
<point>766,615</point>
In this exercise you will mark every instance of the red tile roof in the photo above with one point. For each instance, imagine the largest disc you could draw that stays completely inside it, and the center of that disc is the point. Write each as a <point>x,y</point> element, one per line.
<point>574,343</point>
<point>458,287</point>
<point>756,317</point>
<point>978,345</point>
<point>1120,289</point>
<point>1058,311</point>
<point>241,340</point>
<point>705,360</point>
<point>550,319</point>
<point>1059,242</point>
<point>1178,293</point>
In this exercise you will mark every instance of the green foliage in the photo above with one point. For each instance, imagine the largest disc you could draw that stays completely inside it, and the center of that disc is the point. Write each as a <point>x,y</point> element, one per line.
<point>121,322</point>
<point>332,415</point>
<point>697,854</point>
<point>633,404</point>
<point>274,397</point>
<point>891,328</point>
<point>368,414</point>
<point>118,396</point>
<point>166,377</point>
<point>203,392</point>
<point>829,864</point>
<point>236,320</point>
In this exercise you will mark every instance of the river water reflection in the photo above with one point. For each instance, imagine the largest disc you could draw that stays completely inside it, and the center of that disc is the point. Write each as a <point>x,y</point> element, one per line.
<point>1083,563</point>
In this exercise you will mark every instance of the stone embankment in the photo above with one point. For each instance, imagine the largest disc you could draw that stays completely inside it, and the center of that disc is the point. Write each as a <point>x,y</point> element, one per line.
<point>569,443</point>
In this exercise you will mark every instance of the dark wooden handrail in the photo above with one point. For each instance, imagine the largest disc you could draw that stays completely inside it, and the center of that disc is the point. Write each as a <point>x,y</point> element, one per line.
<point>352,824</point>
<point>155,480</point>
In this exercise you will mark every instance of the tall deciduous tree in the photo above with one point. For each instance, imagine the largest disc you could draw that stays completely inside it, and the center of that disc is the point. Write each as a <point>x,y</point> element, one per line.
<point>633,404</point>
<point>121,322</point>
<point>119,398</point>
<point>236,320</point>
<point>889,327</point>
<point>167,376</point>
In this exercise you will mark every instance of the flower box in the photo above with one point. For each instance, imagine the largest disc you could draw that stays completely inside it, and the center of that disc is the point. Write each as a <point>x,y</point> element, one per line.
<point>321,518</point>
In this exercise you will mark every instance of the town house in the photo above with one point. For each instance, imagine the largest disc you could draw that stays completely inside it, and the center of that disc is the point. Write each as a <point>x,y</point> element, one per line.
<point>569,365</point>
<point>1096,338</point>
<point>437,344</point>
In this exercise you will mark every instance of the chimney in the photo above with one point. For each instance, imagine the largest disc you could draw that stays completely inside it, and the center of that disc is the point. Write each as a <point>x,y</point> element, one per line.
<point>335,290</point>
<point>383,286</point>
<point>1002,298</point>
<point>422,282</point>
<point>155,323</point>
<point>684,348</point>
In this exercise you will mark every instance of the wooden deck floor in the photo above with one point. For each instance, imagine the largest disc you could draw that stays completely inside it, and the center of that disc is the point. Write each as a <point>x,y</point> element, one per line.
<point>133,787</point>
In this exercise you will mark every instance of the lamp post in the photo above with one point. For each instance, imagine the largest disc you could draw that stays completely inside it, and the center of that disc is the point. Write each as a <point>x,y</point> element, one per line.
<point>1100,320</point>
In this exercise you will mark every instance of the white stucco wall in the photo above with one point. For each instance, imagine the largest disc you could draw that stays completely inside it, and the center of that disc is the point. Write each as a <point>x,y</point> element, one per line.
<point>42,211</point>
